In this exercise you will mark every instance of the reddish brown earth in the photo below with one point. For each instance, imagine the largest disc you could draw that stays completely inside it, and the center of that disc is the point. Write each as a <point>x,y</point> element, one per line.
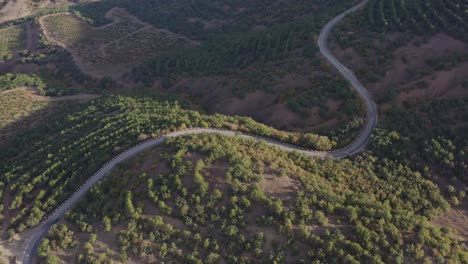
<point>404,75</point>
<point>218,94</point>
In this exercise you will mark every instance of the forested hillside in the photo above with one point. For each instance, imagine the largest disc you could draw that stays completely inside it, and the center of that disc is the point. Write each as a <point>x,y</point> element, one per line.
<point>45,165</point>
<point>193,16</point>
<point>240,46</point>
<point>211,199</point>
<point>145,68</point>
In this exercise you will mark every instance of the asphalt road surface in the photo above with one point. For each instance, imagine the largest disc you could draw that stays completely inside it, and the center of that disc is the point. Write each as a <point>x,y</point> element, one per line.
<point>372,114</point>
<point>357,146</point>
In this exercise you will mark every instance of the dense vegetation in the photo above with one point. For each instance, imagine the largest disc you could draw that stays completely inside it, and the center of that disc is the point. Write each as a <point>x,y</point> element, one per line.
<point>237,37</point>
<point>226,52</point>
<point>235,50</point>
<point>208,198</point>
<point>45,165</point>
<point>421,16</point>
<point>431,130</point>
<point>426,118</point>
<point>11,81</point>
<point>193,16</point>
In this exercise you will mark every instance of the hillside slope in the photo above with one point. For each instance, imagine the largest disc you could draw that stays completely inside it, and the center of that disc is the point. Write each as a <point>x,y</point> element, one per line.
<point>208,198</point>
<point>42,167</point>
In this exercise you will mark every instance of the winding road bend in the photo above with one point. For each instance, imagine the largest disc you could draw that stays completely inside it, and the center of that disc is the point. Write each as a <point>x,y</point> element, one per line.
<point>30,246</point>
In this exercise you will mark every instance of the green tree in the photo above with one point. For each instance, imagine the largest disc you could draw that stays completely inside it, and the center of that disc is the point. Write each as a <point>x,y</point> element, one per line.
<point>107,223</point>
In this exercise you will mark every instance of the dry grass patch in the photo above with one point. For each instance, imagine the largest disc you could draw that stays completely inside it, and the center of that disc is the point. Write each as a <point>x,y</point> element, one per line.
<point>17,104</point>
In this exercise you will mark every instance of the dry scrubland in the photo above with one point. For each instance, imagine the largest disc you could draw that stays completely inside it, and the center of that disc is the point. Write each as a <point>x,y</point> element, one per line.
<point>413,56</point>
<point>212,199</point>
<point>273,206</point>
<point>408,52</point>
<point>112,49</point>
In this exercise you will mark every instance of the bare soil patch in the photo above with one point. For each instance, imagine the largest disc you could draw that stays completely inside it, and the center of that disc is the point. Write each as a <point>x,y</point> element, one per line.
<point>415,55</point>
<point>282,187</point>
<point>78,97</point>
<point>456,218</point>
<point>214,25</point>
<point>15,9</point>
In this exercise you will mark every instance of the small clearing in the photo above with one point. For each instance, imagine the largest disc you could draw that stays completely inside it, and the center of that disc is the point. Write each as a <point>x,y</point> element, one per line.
<point>282,187</point>
<point>456,218</point>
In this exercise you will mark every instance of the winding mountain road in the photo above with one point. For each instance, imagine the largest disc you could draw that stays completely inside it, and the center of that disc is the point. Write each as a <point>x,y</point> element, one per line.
<point>372,113</point>
<point>357,146</point>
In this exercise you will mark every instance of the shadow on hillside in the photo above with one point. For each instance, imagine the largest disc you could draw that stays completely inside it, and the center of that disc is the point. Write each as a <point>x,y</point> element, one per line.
<point>18,125</point>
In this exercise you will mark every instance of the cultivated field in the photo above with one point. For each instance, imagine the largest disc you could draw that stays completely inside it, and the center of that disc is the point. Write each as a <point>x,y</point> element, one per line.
<point>12,39</point>
<point>111,49</point>
<point>419,15</point>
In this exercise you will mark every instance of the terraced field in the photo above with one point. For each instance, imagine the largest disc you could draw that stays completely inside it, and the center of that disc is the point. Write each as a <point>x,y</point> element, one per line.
<point>12,39</point>
<point>419,15</point>
<point>114,47</point>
